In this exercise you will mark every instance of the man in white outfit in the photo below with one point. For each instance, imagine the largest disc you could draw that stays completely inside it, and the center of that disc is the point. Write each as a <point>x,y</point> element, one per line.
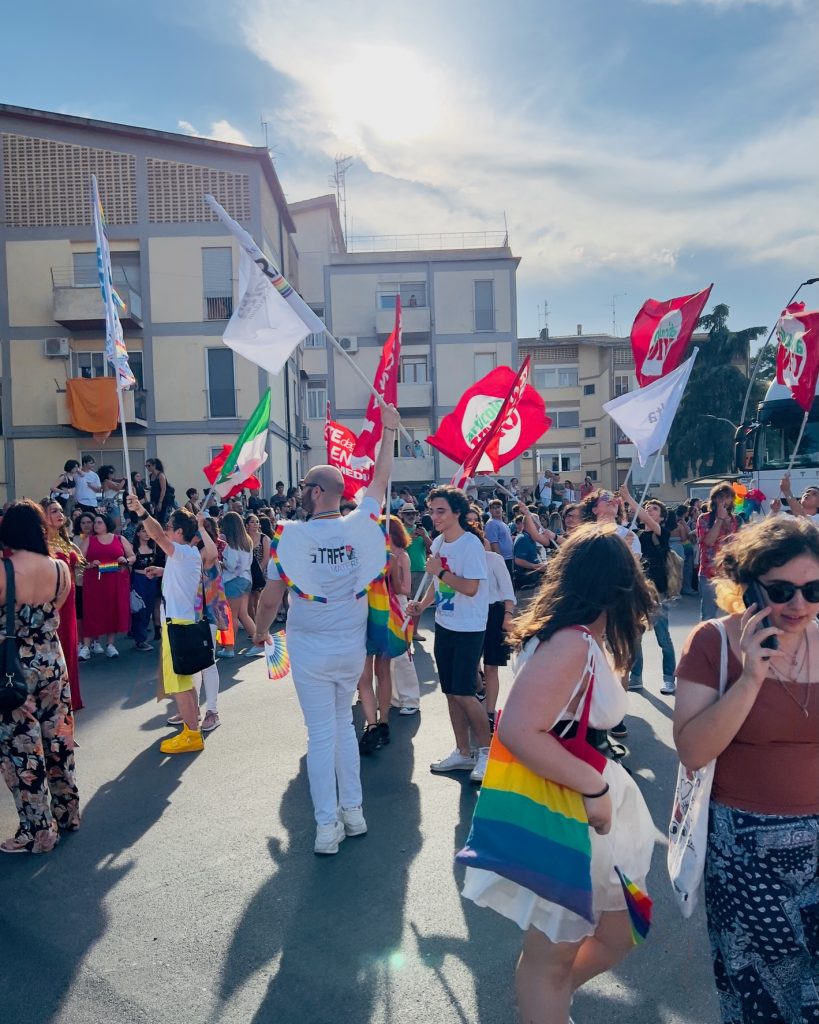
<point>327,640</point>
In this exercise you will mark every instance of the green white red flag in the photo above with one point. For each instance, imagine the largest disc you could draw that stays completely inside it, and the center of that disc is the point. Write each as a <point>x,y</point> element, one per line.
<point>249,452</point>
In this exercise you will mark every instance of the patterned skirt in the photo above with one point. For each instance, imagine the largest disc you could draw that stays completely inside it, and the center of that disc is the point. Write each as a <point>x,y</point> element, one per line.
<point>762,902</point>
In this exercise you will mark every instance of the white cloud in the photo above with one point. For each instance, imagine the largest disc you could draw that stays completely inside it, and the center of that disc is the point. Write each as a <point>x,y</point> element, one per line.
<point>222,131</point>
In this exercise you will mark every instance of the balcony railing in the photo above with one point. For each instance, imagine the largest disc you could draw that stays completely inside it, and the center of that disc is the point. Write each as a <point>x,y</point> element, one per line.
<point>77,301</point>
<point>438,240</point>
<point>219,308</point>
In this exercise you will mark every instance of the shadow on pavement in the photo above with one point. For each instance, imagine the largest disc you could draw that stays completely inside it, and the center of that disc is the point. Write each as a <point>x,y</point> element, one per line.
<point>333,924</point>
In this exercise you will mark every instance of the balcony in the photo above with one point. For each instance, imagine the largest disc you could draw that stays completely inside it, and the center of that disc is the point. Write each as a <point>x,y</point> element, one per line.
<point>414,320</point>
<point>415,396</point>
<point>413,471</point>
<point>134,404</point>
<point>77,304</point>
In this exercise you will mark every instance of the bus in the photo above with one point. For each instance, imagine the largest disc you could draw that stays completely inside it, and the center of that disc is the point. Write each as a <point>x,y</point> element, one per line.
<point>764,447</point>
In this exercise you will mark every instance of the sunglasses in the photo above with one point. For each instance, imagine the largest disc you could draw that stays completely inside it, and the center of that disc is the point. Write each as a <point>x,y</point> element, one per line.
<point>782,592</point>
<point>606,496</point>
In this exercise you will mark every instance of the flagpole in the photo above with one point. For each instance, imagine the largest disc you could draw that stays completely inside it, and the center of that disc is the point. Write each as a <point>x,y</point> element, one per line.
<point>657,458</point>
<point>798,441</point>
<point>125,453</point>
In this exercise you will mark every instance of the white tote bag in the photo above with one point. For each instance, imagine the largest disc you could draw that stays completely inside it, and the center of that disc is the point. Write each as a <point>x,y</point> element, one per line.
<point>688,829</point>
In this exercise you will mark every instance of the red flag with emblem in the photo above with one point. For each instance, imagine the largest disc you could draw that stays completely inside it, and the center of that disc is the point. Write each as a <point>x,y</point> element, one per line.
<point>341,441</point>
<point>495,420</point>
<point>797,357</point>
<point>386,384</point>
<point>214,467</point>
<point>661,332</point>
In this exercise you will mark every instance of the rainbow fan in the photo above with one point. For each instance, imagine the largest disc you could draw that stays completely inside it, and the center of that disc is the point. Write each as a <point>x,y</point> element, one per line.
<point>639,907</point>
<point>276,656</point>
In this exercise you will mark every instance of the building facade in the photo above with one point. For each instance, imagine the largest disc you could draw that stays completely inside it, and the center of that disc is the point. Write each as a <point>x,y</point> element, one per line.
<point>176,269</point>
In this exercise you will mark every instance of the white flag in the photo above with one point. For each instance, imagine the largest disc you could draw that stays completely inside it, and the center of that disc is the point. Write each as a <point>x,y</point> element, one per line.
<point>645,416</point>
<point>263,328</point>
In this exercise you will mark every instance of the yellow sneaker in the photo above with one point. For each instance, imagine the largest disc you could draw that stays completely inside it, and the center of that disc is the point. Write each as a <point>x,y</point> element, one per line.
<point>185,742</point>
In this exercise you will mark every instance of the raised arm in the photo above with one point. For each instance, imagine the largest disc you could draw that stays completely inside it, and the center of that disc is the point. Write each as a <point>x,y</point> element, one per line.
<point>383,462</point>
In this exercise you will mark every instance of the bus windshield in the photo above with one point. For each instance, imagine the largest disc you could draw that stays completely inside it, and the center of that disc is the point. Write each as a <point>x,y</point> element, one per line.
<point>776,441</point>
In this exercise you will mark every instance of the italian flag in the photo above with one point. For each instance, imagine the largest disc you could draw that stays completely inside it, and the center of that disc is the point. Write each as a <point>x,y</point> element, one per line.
<point>249,451</point>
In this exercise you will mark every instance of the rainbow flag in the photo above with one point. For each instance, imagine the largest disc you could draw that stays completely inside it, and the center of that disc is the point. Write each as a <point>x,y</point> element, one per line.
<point>105,567</point>
<point>115,350</point>
<point>639,906</point>
<point>533,832</point>
<point>385,620</point>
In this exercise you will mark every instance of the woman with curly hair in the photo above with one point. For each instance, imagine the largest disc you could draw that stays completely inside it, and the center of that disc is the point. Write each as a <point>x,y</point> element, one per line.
<point>594,597</point>
<point>714,527</point>
<point>761,873</point>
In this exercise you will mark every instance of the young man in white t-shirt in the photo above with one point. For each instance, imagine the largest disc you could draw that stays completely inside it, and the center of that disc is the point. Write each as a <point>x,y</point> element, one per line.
<point>88,485</point>
<point>457,565</point>
<point>181,580</point>
<point>327,640</point>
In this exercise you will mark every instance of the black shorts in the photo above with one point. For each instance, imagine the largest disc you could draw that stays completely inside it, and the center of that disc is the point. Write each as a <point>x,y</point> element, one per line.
<point>457,656</point>
<point>495,649</point>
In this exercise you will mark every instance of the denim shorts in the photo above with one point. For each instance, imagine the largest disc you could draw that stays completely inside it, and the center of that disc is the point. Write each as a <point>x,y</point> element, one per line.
<point>237,587</point>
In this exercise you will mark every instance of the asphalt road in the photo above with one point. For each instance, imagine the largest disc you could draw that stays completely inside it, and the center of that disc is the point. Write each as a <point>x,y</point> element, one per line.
<point>191,893</point>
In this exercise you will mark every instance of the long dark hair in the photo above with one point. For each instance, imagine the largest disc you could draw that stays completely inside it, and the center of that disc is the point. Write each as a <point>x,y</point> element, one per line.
<point>592,573</point>
<point>23,527</point>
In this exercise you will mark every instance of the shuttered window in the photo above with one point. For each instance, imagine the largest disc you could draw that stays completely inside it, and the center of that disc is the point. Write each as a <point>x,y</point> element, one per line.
<point>217,278</point>
<point>221,383</point>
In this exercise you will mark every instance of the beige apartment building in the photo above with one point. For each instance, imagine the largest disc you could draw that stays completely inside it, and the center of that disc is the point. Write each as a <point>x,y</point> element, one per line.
<point>576,374</point>
<point>459,321</point>
<point>176,269</point>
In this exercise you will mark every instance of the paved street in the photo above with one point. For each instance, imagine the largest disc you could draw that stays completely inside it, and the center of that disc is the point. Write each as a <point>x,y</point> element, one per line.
<point>191,893</point>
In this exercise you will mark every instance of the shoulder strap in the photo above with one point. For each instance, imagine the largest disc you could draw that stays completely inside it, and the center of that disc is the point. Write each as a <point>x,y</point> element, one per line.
<point>723,655</point>
<point>10,597</point>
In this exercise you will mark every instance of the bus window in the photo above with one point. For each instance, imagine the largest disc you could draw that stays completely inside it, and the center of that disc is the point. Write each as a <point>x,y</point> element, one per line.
<point>776,442</point>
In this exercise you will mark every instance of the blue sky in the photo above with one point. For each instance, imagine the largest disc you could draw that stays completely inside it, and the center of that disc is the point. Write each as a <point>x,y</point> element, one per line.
<point>636,147</point>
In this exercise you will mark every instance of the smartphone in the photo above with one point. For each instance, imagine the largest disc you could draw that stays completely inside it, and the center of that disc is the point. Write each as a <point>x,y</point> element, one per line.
<point>756,595</point>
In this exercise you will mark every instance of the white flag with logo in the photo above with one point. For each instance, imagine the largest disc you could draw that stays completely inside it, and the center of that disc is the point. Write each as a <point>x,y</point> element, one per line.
<point>645,416</point>
<point>263,328</point>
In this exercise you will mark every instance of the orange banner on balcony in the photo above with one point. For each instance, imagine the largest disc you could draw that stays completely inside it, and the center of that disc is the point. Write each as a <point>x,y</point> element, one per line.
<point>93,406</point>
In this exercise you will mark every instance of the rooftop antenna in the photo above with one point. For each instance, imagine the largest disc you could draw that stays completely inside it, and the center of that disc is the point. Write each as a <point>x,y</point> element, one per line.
<point>614,299</point>
<point>264,125</point>
<point>505,231</point>
<point>338,181</point>
<point>544,334</point>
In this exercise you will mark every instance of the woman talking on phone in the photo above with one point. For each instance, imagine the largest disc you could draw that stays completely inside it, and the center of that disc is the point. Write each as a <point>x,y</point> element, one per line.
<point>761,875</point>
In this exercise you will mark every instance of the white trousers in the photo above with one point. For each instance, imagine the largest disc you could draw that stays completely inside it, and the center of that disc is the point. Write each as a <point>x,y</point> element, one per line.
<point>406,692</point>
<point>325,690</point>
<point>211,678</point>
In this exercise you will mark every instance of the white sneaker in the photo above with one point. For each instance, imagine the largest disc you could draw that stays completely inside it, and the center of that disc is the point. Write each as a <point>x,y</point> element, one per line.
<point>454,762</point>
<point>328,837</point>
<point>84,654</point>
<point>111,651</point>
<point>409,711</point>
<point>669,687</point>
<point>477,773</point>
<point>96,647</point>
<point>353,821</point>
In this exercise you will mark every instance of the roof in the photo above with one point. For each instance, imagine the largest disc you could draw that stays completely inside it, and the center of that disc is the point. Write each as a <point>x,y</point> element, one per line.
<point>327,202</point>
<point>423,256</point>
<point>259,153</point>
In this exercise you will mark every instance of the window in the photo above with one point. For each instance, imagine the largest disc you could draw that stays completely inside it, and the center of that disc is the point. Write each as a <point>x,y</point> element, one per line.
<point>221,383</point>
<point>591,474</point>
<point>413,293</point>
<point>88,365</point>
<point>217,279</point>
<point>484,305</point>
<point>417,448</point>
<point>622,384</point>
<point>590,432</point>
<point>485,362</point>
<point>316,340</point>
<point>559,460</point>
<point>114,457</point>
<point>555,377</point>
<point>588,389</point>
<point>316,400</point>
<point>566,418</point>
<point>414,370</point>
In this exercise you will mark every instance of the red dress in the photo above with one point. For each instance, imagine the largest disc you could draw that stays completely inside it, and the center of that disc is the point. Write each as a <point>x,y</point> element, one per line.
<point>67,631</point>
<point>105,603</point>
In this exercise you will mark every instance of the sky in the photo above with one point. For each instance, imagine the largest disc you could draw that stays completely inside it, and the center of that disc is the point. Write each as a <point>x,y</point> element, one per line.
<point>631,148</point>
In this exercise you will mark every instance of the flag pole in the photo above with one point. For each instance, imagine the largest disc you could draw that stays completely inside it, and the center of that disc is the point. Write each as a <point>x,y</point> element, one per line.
<point>657,458</point>
<point>798,441</point>
<point>125,453</point>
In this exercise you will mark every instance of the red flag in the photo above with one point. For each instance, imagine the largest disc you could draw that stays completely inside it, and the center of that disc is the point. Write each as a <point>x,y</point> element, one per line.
<point>661,332</point>
<point>477,421</point>
<point>213,468</point>
<point>341,443</point>
<point>386,384</point>
<point>797,357</point>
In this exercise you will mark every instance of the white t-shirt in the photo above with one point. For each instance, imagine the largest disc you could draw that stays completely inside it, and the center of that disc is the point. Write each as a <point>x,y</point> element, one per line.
<point>545,490</point>
<point>464,557</point>
<point>181,581</point>
<point>631,538</point>
<point>500,582</point>
<point>317,630</point>
<point>83,494</point>
<point>236,563</point>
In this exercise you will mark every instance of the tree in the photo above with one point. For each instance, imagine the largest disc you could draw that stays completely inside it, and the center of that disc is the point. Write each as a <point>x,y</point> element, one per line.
<point>701,442</point>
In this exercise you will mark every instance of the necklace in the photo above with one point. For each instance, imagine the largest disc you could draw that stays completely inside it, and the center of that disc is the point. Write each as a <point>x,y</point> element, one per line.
<point>803,706</point>
<point>324,515</point>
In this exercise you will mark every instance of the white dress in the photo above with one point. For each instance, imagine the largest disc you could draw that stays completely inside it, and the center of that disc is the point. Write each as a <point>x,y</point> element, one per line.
<point>628,845</point>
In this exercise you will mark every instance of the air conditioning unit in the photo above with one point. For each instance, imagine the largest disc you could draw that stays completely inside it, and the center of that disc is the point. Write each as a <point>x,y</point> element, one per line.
<point>527,454</point>
<point>305,433</point>
<point>56,348</point>
<point>349,344</point>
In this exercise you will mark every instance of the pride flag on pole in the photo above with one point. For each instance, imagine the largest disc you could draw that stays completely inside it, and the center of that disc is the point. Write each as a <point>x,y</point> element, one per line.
<point>249,452</point>
<point>115,351</point>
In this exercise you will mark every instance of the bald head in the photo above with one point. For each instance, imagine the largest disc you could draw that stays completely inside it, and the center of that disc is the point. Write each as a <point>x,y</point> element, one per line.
<point>327,477</point>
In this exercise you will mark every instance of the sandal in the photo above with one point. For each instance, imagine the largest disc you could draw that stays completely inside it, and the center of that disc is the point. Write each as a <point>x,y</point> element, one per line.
<point>17,844</point>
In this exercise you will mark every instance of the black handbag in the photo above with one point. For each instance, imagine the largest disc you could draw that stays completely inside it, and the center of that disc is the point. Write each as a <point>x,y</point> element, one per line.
<point>191,644</point>
<point>257,580</point>
<point>14,689</point>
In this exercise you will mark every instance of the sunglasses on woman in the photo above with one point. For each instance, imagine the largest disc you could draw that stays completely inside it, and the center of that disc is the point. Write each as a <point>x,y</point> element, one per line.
<point>782,592</point>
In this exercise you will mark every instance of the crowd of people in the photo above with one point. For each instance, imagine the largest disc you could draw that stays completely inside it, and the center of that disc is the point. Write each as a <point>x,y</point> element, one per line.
<point>568,579</point>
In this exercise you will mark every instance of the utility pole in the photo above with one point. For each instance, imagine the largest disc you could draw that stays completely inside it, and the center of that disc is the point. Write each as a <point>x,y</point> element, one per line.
<point>338,180</point>
<point>614,299</point>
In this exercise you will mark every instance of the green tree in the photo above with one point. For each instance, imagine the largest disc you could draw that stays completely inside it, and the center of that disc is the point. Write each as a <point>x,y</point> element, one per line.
<point>699,444</point>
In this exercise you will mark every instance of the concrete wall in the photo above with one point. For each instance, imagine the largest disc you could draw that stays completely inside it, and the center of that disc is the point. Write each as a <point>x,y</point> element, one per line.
<point>455,299</point>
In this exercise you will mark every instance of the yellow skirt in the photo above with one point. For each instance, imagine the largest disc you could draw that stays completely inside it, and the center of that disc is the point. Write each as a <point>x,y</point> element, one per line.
<point>171,682</point>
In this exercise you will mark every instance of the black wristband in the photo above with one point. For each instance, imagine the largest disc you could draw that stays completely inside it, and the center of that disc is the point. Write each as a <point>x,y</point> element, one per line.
<point>441,573</point>
<point>595,796</point>
<point>143,517</point>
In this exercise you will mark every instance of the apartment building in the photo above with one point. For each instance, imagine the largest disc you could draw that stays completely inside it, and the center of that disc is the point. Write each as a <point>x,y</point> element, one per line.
<point>176,269</point>
<point>459,321</point>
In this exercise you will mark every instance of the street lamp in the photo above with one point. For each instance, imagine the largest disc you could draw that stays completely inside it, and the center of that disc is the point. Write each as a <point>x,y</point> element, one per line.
<point>722,419</point>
